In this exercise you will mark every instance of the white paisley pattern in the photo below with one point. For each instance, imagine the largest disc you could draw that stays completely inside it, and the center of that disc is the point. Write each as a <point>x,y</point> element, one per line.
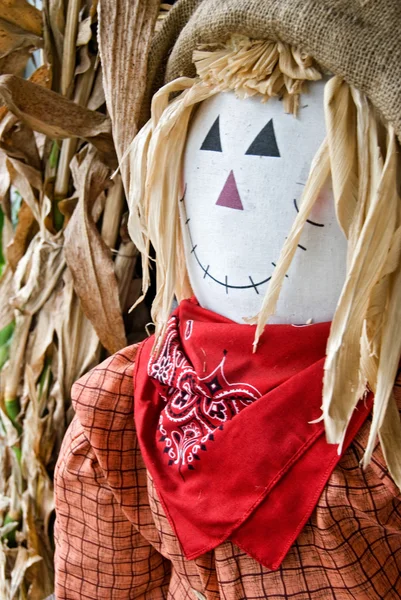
<point>195,406</point>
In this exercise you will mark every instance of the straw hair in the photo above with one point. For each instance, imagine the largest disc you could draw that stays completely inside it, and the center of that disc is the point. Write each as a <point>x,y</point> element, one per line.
<point>359,154</point>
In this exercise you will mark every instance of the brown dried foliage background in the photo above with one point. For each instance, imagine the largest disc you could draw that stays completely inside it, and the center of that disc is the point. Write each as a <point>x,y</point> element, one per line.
<point>67,264</point>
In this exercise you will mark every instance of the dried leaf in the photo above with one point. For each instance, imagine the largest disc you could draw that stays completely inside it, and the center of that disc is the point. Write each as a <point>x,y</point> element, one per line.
<point>89,259</point>
<point>24,560</point>
<point>6,234</point>
<point>41,141</point>
<point>67,207</point>
<point>52,114</point>
<point>23,14</point>
<point>54,29</point>
<point>15,63</point>
<point>26,228</point>
<point>19,142</point>
<point>13,37</point>
<point>91,8</point>
<point>40,339</point>
<point>124,268</point>
<point>8,121</point>
<point>11,373</point>
<point>98,208</point>
<point>5,180</point>
<point>84,62</point>
<point>125,31</point>
<point>6,292</point>
<point>84,32</point>
<point>4,501</point>
<point>74,357</point>
<point>38,272</point>
<point>42,76</point>
<point>39,577</point>
<point>69,146</point>
<point>22,177</point>
<point>97,98</point>
<point>82,171</point>
<point>37,446</point>
<point>4,583</point>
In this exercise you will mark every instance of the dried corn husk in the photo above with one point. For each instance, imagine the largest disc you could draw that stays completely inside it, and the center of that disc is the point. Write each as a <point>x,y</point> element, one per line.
<point>66,264</point>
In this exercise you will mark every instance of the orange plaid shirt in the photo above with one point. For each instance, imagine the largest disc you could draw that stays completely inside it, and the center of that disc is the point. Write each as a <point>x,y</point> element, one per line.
<point>113,540</point>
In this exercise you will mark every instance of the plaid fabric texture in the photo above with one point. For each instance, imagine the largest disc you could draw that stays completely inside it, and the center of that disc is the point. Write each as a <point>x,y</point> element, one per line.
<point>113,540</point>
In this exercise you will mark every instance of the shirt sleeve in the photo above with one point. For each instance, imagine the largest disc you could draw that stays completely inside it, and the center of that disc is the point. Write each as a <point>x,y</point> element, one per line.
<point>99,494</point>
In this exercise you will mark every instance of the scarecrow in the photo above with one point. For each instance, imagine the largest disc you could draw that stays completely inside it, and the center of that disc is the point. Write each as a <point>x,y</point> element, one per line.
<point>235,454</point>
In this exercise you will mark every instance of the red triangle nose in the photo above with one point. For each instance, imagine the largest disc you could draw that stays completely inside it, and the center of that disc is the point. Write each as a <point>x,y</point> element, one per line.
<point>229,195</point>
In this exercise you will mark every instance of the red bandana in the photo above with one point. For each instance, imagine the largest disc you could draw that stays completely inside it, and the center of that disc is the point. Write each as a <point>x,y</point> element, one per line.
<point>226,434</point>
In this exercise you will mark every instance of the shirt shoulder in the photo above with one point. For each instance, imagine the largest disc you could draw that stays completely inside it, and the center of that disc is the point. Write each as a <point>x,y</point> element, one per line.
<point>103,400</point>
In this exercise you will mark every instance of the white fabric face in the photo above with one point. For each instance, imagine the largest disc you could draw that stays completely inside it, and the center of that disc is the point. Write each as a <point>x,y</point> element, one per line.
<point>245,167</point>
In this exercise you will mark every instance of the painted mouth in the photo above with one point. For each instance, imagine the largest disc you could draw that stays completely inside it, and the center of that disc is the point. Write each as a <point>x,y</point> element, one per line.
<point>228,286</point>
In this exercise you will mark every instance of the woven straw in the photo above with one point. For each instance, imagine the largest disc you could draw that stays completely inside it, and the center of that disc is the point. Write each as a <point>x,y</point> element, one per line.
<point>359,40</point>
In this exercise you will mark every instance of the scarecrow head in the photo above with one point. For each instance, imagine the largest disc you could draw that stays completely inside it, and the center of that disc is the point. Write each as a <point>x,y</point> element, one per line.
<point>266,180</point>
<point>246,163</point>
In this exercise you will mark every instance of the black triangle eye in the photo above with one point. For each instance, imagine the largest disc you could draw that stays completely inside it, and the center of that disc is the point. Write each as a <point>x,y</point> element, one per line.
<point>212,140</point>
<point>265,143</point>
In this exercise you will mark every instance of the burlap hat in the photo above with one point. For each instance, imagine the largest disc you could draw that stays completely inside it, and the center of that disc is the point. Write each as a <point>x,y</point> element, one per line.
<point>357,39</point>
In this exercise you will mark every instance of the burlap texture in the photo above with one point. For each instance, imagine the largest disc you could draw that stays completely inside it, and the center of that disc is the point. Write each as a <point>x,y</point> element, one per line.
<point>357,39</point>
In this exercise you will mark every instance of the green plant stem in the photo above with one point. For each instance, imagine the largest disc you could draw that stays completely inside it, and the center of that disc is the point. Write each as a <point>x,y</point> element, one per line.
<point>2,259</point>
<point>13,408</point>
<point>10,536</point>
<point>5,340</point>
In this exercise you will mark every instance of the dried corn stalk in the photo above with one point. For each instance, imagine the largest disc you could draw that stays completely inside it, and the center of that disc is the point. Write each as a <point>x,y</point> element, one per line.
<point>66,262</point>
